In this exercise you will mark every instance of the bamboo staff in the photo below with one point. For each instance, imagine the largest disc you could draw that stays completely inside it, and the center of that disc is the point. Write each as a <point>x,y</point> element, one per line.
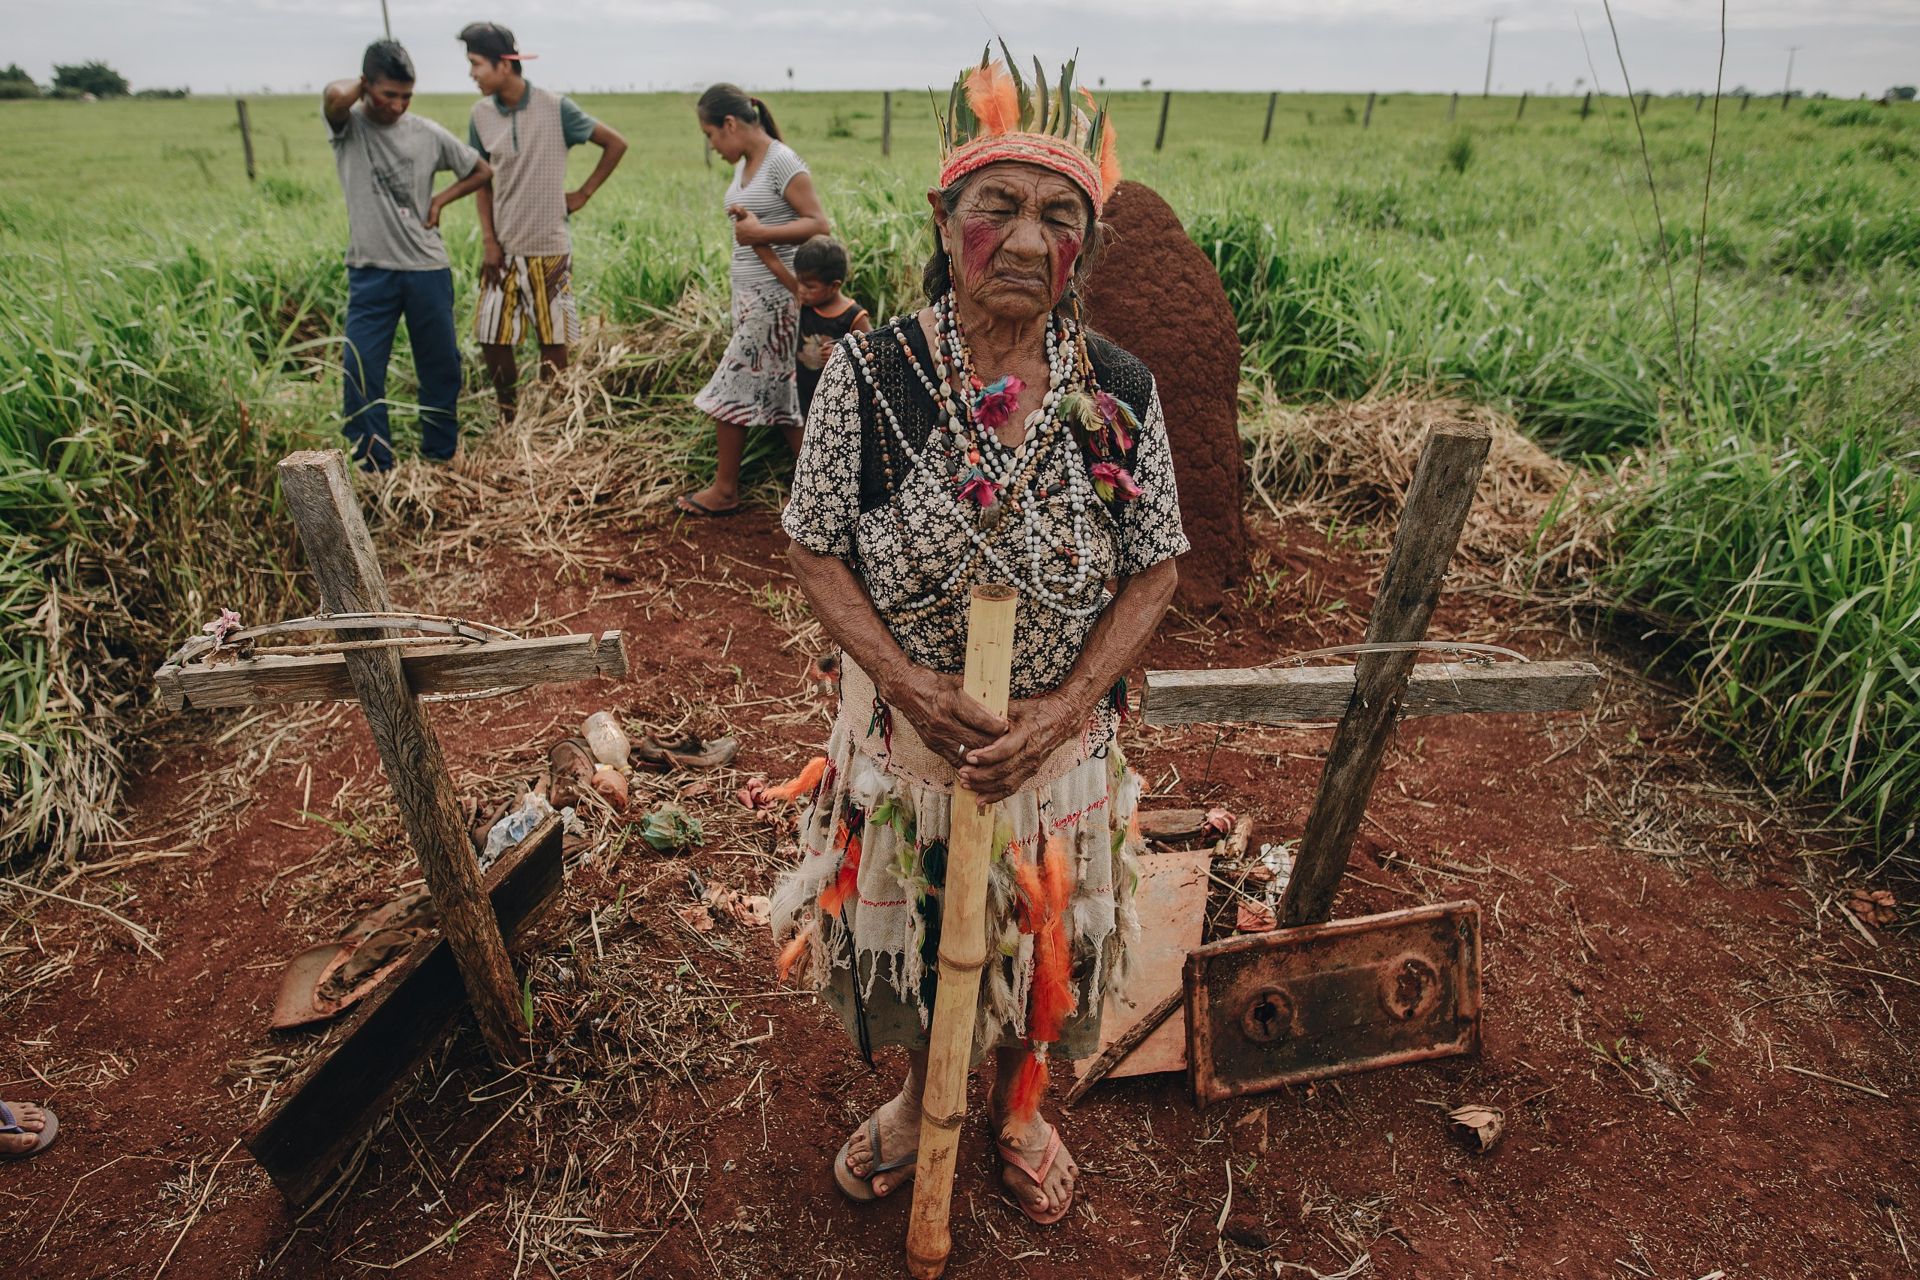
<point>963,952</point>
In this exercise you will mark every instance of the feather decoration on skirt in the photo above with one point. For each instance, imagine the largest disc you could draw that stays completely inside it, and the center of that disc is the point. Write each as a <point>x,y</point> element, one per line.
<point>1044,892</point>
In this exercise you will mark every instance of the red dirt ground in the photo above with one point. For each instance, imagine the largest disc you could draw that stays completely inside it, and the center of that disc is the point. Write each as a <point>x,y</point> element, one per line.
<point>1661,955</point>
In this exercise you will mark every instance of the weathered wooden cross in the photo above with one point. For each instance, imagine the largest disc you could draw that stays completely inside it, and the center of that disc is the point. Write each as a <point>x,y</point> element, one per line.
<point>387,673</point>
<point>1368,696</point>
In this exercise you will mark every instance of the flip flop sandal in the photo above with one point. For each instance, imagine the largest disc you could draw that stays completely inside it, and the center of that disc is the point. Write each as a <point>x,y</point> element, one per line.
<point>570,766</point>
<point>1038,1176</point>
<point>860,1189</point>
<point>687,506</point>
<point>8,1124</point>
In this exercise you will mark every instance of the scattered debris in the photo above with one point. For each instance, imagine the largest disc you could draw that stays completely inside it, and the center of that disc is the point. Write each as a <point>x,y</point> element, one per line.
<point>1254,917</point>
<point>758,795</point>
<point>715,904</point>
<point>607,740</point>
<point>1876,907</point>
<point>534,807</point>
<point>570,767</point>
<point>668,829</point>
<point>1172,826</point>
<point>1476,1125</point>
<point>690,752</point>
<point>326,980</point>
<point>1272,872</point>
<point>612,786</point>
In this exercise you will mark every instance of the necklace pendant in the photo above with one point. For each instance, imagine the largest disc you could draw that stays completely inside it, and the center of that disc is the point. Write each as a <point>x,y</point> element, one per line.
<point>990,517</point>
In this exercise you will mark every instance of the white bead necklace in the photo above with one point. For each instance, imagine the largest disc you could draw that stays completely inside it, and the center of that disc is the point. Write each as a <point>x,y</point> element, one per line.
<point>1056,591</point>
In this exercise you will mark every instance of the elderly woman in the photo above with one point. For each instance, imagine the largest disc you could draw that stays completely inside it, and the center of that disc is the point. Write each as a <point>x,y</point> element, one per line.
<point>988,438</point>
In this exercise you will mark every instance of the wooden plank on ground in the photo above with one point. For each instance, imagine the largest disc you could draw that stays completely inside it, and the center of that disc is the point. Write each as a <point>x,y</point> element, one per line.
<point>1273,695</point>
<point>432,668</point>
<point>1171,901</point>
<point>303,1140</point>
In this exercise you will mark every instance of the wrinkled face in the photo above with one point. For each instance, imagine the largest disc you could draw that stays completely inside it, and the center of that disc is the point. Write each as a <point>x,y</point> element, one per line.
<point>1014,238</point>
<point>388,100</point>
<point>728,138</point>
<point>811,292</point>
<point>488,76</point>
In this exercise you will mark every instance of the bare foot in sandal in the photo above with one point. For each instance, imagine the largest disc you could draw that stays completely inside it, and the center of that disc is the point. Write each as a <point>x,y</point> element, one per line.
<point>23,1129</point>
<point>1036,1166</point>
<point>864,1173</point>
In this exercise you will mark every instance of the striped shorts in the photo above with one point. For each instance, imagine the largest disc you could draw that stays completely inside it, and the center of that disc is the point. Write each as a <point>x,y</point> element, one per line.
<point>536,291</point>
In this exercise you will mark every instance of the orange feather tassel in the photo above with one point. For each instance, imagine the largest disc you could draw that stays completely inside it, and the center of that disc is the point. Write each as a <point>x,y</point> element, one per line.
<point>1109,159</point>
<point>1029,1086</point>
<point>844,885</point>
<point>809,779</point>
<point>791,953</point>
<point>1045,890</point>
<point>991,95</point>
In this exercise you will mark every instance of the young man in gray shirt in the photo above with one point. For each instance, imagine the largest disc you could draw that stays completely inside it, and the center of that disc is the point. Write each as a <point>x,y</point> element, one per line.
<point>396,263</point>
<point>526,276</point>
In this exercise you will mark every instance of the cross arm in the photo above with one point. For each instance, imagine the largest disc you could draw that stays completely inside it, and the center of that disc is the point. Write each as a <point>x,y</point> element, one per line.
<point>1274,695</point>
<point>432,668</point>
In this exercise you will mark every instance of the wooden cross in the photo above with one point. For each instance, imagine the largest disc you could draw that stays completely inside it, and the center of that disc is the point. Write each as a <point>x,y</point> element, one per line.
<point>387,676</point>
<point>1380,686</point>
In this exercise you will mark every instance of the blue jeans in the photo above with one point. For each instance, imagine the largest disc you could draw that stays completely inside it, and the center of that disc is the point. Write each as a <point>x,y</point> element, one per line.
<point>376,300</point>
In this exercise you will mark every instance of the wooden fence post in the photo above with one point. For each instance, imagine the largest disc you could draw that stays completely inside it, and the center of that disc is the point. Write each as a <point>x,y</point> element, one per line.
<point>1646,100</point>
<point>1523,107</point>
<point>1745,98</point>
<point>246,135</point>
<point>886,123</point>
<point>1273,100</point>
<point>1160,138</point>
<point>1786,96</point>
<point>1453,106</point>
<point>1699,101</point>
<point>1586,105</point>
<point>1366,121</point>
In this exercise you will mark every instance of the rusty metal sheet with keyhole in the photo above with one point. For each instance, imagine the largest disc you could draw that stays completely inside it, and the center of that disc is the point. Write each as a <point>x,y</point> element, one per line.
<point>1322,1000</point>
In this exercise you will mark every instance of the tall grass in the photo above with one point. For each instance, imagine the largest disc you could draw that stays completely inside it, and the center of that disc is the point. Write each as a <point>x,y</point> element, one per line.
<point>1789,571</point>
<point>169,335</point>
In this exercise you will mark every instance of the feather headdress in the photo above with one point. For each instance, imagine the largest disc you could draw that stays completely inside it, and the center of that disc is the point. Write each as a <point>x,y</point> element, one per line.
<point>994,114</point>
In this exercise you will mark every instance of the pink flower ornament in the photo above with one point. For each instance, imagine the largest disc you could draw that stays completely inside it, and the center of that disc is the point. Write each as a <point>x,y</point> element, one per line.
<point>994,405</point>
<point>221,627</point>
<point>1111,480</point>
<point>980,490</point>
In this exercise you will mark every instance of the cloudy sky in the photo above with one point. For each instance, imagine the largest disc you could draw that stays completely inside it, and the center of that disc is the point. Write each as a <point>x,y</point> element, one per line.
<point>215,46</point>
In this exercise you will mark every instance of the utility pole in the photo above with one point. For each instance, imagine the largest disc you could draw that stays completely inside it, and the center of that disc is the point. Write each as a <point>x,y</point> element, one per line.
<point>1786,90</point>
<point>1493,32</point>
<point>386,21</point>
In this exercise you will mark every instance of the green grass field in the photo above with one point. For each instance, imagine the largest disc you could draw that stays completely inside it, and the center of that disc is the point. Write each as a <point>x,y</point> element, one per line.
<point>168,323</point>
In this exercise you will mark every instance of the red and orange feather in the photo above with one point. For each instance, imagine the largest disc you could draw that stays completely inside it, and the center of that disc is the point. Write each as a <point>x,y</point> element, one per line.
<point>991,95</point>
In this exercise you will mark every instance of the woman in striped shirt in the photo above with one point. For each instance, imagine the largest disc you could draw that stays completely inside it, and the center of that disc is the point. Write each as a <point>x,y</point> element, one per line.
<point>772,202</point>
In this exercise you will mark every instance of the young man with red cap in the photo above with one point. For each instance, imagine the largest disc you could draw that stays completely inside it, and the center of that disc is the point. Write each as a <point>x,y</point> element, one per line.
<point>526,274</point>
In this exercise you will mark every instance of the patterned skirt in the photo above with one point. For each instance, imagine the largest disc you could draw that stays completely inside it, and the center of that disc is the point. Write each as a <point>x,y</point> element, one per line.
<point>858,918</point>
<point>754,386</point>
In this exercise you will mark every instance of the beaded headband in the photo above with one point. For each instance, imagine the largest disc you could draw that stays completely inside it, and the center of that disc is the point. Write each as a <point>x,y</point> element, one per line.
<point>993,114</point>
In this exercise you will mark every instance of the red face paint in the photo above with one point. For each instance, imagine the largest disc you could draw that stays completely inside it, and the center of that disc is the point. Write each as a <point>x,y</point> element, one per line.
<point>1065,255</point>
<point>979,241</point>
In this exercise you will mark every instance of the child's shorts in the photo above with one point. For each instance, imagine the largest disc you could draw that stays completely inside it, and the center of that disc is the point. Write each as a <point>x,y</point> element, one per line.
<point>530,291</point>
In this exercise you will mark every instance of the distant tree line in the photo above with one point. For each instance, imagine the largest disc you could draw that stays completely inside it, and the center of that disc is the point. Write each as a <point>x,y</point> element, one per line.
<point>77,81</point>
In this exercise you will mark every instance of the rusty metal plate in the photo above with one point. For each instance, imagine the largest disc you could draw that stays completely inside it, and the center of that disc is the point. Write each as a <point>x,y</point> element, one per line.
<point>1330,999</point>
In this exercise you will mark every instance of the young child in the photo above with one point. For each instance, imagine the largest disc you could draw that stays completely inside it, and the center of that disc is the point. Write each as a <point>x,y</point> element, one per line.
<point>826,314</point>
